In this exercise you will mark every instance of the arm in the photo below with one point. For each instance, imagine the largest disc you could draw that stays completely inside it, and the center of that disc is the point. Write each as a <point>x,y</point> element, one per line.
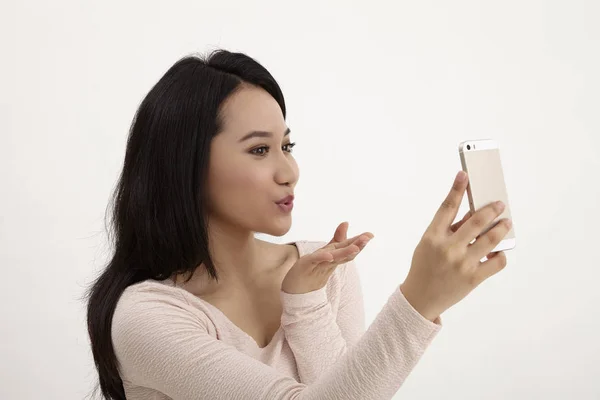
<point>317,338</point>
<point>162,343</point>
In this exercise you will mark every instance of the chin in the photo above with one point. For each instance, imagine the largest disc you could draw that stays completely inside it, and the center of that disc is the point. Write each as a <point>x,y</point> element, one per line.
<point>278,228</point>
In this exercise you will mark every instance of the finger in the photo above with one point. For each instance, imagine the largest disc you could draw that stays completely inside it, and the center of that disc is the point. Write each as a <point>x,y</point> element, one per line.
<point>490,267</point>
<point>338,245</point>
<point>318,257</point>
<point>447,212</point>
<point>331,255</point>
<point>350,257</point>
<point>341,254</point>
<point>340,233</point>
<point>361,243</point>
<point>487,242</point>
<point>359,240</point>
<point>457,225</point>
<point>363,240</point>
<point>336,256</point>
<point>478,224</point>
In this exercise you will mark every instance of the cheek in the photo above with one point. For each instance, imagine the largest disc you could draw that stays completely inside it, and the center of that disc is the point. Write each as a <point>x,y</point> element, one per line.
<point>239,187</point>
<point>248,181</point>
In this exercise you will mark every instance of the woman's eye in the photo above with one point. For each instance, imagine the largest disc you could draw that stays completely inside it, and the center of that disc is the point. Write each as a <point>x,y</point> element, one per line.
<point>263,150</point>
<point>289,147</point>
<point>258,153</point>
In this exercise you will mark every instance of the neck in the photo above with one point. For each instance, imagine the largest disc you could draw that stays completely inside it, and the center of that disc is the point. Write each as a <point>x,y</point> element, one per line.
<point>234,252</point>
<point>242,261</point>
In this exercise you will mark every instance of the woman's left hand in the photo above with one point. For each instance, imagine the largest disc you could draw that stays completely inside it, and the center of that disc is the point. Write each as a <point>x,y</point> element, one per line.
<point>312,271</point>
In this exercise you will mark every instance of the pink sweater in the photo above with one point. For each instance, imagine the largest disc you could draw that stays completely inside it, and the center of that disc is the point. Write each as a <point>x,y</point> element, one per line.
<point>171,344</point>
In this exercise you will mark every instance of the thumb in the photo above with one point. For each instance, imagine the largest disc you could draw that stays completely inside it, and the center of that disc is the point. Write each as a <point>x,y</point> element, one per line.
<point>341,232</point>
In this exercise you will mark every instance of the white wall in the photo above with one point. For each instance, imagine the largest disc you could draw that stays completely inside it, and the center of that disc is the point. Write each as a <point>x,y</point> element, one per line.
<point>379,95</point>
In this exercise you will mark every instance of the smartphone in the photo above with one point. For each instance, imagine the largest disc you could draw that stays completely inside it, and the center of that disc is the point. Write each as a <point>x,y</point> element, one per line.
<point>480,159</point>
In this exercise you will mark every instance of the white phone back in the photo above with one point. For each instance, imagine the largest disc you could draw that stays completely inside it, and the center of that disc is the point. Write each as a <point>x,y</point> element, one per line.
<point>480,159</point>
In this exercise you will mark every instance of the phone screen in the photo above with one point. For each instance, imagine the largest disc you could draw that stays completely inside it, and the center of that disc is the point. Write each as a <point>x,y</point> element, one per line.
<point>486,182</point>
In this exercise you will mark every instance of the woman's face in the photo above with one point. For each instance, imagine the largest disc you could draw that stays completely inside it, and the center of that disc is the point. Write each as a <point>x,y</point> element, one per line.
<point>249,174</point>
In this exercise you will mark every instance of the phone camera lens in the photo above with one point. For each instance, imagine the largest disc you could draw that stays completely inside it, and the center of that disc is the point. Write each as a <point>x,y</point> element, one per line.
<point>468,147</point>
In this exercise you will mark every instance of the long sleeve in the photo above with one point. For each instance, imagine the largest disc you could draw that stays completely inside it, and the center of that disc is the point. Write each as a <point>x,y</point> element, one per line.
<point>351,312</point>
<point>162,343</point>
<point>317,338</point>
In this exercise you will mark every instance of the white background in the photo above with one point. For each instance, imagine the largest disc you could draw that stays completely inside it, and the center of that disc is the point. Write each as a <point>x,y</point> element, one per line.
<point>379,96</point>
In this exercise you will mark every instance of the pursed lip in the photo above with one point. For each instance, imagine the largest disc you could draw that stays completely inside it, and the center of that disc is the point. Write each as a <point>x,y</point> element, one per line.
<point>287,199</point>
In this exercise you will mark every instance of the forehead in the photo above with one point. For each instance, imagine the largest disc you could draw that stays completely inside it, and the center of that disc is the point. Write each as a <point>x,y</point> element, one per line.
<point>251,108</point>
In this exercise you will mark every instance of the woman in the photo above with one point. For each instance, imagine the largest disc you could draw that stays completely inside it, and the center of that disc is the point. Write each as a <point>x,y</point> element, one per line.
<point>193,306</point>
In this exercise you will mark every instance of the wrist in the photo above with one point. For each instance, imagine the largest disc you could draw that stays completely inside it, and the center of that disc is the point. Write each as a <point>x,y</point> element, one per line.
<point>419,304</point>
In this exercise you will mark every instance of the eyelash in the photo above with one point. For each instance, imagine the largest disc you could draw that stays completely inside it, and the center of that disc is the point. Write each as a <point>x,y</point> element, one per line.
<point>289,145</point>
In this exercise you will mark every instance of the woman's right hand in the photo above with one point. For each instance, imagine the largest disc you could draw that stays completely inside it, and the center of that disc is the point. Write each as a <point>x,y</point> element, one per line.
<point>445,266</point>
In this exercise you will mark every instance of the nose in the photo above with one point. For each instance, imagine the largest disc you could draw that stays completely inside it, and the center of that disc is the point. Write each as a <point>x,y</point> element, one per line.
<point>287,171</point>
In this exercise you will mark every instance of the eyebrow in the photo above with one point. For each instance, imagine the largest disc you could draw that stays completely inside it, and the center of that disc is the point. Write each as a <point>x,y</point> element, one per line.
<point>261,134</point>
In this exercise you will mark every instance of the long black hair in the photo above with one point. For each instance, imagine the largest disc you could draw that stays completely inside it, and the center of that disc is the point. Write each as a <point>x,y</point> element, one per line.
<point>158,219</point>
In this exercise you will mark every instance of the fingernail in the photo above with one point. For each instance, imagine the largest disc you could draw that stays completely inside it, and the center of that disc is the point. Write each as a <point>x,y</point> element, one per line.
<point>460,177</point>
<point>500,206</point>
<point>508,223</point>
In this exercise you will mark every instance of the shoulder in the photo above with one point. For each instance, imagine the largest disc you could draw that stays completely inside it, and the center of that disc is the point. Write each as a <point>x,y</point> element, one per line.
<point>152,319</point>
<point>147,293</point>
<point>152,305</point>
